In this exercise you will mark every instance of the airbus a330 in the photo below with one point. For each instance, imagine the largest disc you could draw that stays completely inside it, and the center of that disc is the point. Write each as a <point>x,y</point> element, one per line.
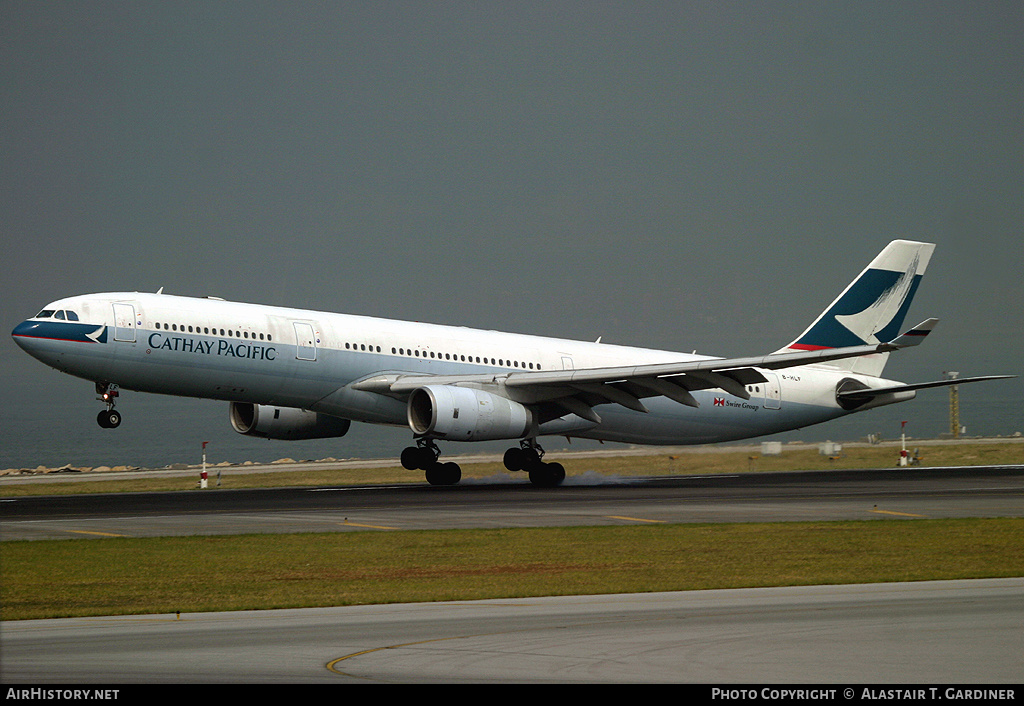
<point>298,374</point>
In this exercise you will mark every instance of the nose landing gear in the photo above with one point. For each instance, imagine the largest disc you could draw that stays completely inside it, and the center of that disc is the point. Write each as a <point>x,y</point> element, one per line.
<point>108,418</point>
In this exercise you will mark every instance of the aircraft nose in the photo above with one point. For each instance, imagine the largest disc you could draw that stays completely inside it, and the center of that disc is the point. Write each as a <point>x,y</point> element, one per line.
<point>24,333</point>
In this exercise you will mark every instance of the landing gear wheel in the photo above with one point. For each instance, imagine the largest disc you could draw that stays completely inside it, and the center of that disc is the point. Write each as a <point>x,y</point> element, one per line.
<point>527,456</point>
<point>444,474</point>
<point>547,475</point>
<point>411,458</point>
<point>109,419</point>
<point>420,457</point>
<point>514,459</point>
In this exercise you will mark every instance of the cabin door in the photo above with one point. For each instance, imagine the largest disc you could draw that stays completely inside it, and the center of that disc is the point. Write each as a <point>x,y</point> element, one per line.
<point>124,322</point>
<point>305,341</point>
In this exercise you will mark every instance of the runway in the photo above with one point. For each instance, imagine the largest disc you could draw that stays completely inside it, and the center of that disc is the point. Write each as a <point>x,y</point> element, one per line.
<point>944,632</point>
<point>510,501</point>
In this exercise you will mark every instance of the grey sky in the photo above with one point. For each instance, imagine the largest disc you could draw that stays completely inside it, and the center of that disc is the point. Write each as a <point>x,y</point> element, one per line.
<point>675,175</point>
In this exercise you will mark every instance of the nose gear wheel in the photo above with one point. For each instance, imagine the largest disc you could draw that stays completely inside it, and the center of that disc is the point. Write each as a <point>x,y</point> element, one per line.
<point>108,418</point>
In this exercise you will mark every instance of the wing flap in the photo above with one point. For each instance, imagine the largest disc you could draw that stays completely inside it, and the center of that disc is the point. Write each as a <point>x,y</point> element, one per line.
<point>612,393</point>
<point>668,388</point>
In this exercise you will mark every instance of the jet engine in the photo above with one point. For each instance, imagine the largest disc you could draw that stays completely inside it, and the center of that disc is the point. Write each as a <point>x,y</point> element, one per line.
<point>466,414</point>
<point>272,422</point>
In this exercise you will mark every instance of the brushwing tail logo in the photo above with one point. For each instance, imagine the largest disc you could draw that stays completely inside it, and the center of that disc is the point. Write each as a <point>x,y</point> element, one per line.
<point>865,324</point>
<point>872,308</point>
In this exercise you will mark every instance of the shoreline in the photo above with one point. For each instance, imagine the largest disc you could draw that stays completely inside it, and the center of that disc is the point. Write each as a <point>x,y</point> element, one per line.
<point>70,473</point>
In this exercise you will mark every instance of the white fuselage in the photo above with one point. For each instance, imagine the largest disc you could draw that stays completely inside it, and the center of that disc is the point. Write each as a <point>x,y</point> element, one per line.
<point>310,360</point>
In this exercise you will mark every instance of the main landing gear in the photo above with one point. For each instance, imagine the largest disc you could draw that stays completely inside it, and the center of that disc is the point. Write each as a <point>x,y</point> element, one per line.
<point>424,457</point>
<point>108,418</point>
<point>528,458</point>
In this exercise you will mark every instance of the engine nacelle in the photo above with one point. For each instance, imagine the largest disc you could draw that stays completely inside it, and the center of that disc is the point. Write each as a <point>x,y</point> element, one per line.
<point>270,422</point>
<point>466,414</point>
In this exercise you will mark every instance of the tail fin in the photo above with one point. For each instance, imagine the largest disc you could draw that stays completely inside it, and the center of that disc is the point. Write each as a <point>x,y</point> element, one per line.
<point>872,308</point>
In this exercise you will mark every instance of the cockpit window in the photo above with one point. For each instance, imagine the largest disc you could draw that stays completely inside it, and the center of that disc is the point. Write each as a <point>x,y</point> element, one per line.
<point>65,315</point>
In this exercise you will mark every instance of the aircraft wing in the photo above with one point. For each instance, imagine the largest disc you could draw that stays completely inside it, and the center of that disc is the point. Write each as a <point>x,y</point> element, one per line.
<point>577,391</point>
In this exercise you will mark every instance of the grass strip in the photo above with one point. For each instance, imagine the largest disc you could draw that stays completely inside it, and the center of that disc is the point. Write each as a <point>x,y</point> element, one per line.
<point>116,576</point>
<point>708,462</point>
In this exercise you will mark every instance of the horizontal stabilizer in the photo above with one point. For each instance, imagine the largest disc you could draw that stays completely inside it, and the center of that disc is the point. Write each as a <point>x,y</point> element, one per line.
<point>874,392</point>
<point>914,336</point>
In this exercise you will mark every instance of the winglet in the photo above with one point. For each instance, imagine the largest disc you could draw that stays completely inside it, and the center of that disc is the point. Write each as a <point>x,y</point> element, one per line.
<point>913,337</point>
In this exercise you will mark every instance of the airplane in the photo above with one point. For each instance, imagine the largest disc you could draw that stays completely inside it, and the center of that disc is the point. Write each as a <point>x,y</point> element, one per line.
<point>299,374</point>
